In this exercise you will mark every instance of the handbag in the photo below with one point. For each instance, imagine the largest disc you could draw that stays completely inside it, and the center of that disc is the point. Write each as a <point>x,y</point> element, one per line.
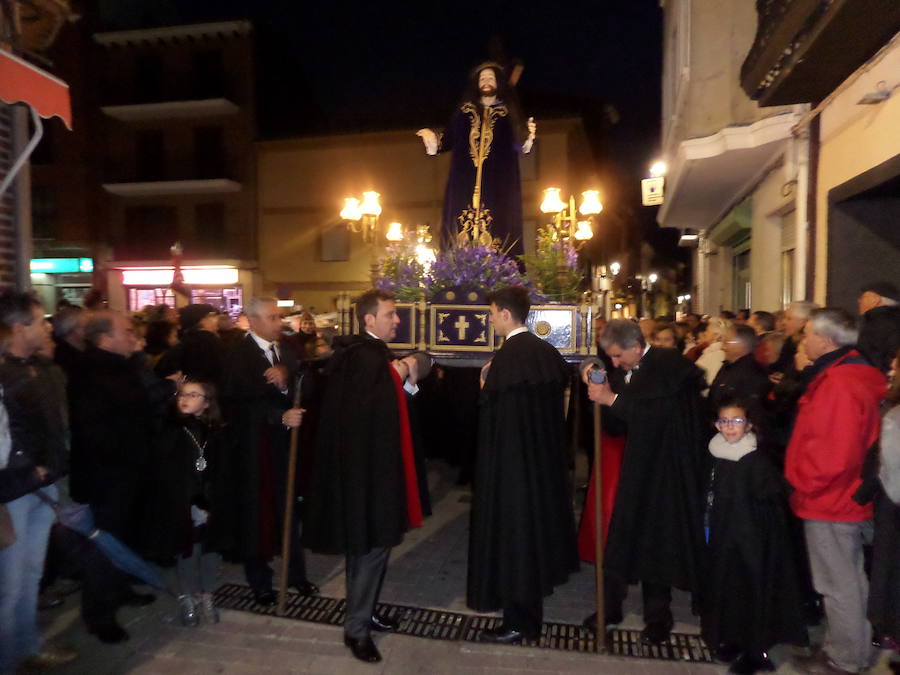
<point>7,531</point>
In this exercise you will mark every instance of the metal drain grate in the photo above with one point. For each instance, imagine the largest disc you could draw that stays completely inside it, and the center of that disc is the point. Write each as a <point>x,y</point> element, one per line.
<point>438,624</point>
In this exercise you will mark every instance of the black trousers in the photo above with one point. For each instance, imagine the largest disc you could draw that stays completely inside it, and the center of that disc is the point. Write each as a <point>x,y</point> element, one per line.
<point>524,617</point>
<point>365,574</point>
<point>657,600</point>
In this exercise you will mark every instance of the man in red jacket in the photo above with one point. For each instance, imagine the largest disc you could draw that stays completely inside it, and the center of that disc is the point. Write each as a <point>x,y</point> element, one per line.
<point>837,422</point>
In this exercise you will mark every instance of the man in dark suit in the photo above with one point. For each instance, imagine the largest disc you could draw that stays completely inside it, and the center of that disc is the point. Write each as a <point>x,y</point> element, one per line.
<point>365,492</point>
<point>740,375</point>
<point>656,531</point>
<point>259,381</point>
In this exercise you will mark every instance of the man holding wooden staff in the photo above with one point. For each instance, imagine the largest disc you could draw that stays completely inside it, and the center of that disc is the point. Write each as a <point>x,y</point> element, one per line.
<point>656,531</point>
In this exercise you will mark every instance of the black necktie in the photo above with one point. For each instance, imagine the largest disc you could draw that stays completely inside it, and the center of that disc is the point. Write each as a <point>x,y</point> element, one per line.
<point>275,360</point>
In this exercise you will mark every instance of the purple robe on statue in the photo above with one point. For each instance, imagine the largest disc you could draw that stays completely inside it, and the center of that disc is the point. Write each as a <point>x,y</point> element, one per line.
<point>501,190</point>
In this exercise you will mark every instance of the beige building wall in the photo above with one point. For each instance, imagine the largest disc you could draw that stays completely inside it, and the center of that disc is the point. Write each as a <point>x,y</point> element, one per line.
<point>770,204</point>
<point>853,139</point>
<point>302,183</point>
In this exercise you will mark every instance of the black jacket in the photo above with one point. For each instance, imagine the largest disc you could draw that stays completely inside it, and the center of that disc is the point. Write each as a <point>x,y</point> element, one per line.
<point>112,427</point>
<point>744,379</point>
<point>36,404</point>
<point>200,355</point>
<point>879,336</point>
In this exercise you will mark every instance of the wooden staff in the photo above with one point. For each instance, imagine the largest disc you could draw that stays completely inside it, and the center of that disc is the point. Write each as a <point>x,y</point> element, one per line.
<point>598,539</point>
<point>288,509</point>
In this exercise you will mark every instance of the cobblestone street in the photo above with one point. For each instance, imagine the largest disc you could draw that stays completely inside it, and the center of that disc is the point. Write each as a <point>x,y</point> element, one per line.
<point>428,570</point>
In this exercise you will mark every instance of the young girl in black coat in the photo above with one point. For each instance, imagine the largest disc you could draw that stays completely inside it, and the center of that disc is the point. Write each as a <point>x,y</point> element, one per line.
<point>752,598</point>
<point>191,515</point>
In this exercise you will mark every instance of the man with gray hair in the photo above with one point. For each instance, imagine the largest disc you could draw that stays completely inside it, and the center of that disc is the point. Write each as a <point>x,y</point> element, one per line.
<point>68,334</point>
<point>257,393</point>
<point>837,422</point>
<point>795,317</point>
<point>656,531</point>
<point>740,375</point>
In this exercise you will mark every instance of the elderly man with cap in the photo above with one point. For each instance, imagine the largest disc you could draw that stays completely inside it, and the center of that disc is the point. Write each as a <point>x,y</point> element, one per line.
<point>879,328</point>
<point>201,353</point>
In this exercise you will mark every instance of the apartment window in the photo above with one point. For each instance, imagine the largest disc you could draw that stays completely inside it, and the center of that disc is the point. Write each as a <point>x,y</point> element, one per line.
<point>209,152</point>
<point>208,74</point>
<point>150,155</point>
<point>335,244</point>
<point>210,226</point>
<point>44,212</point>
<point>148,77</point>
<point>149,232</point>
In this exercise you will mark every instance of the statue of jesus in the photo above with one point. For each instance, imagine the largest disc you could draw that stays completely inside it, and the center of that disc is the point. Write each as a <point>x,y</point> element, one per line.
<point>485,137</point>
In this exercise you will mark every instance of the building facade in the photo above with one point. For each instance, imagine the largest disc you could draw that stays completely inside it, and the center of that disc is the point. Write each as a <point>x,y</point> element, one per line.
<point>780,173</point>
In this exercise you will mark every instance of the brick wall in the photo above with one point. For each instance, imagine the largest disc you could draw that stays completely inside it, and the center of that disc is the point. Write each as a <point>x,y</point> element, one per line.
<point>7,239</point>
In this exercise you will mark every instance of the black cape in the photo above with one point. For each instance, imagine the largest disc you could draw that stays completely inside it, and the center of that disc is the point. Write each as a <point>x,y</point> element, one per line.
<point>358,497</point>
<point>522,538</point>
<point>752,597</point>
<point>656,529</point>
<point>168,529</point>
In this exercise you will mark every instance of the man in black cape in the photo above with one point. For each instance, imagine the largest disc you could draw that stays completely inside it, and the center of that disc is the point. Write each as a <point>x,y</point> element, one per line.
<point>656,531</point>
<point>364,490</point>
<point>486,128</point>
<point>258,388</point>
<point>522,540</point>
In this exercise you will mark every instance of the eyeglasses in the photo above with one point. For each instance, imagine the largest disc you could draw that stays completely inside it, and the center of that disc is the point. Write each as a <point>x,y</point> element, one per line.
<point>190,394</point>
<point>726,422</point>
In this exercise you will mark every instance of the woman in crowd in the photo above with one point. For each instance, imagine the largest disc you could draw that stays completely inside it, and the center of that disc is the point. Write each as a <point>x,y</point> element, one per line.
<point>713,356</point>
<point>189,519</point>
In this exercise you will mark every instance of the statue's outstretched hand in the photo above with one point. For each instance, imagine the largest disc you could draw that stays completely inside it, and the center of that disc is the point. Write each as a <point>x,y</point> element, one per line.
<point>532,127</point>
<point>429,138</point>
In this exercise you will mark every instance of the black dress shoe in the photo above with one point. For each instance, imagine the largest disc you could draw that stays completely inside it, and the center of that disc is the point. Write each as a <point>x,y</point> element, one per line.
<point>363,649</point>
<point>613,619</point>
<point>265,597</point>
<point>305,587</point>
<point>503,635</point>
<point>655,633</point>
<point>752,662</point>
<point>384,624</point>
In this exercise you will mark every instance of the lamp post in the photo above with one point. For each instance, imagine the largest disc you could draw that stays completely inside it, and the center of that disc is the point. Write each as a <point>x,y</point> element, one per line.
<point>361,217</point>
<point>566,224</point>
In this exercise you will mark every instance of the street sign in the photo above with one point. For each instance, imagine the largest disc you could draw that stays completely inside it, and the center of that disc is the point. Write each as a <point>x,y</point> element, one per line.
<point>652,191</point>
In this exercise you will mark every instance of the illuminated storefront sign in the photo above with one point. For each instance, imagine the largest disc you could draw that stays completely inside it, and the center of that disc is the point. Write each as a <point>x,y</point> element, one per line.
<point>61,265</point>
<point>200,275</point>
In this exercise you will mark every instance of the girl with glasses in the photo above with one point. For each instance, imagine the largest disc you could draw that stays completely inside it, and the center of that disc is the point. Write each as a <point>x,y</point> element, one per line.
<point>752,599</point>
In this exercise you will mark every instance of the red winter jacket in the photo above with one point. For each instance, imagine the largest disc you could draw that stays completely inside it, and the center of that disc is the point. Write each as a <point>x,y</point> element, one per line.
<point>837,423</point>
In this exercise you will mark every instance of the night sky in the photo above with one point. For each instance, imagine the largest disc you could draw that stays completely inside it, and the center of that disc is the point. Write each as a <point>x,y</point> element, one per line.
<point>345,67</point>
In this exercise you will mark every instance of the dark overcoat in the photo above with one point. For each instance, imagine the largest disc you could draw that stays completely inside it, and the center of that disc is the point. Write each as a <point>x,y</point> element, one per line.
<point>752,596</point>
<point>358,499</point>
<point>253,408</point>
<point>656,530</point>
<point>522,538</point>
<point>169,529</point>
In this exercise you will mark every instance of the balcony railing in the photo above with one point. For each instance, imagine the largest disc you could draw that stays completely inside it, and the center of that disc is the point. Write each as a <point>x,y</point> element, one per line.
<point>805,48</point>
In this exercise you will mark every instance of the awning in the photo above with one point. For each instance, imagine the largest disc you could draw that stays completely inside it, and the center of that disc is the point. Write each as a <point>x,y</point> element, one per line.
<point>21,82</point>
<point>46,96</point>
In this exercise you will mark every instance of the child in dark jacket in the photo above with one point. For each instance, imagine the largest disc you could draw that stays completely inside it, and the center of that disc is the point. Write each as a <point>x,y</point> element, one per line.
<point>191,516</point>
<point>752,599</point>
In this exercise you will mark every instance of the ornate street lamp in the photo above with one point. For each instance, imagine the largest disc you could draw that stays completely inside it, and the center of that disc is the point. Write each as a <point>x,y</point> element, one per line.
<point>566,224</point>
<point>362,216</point>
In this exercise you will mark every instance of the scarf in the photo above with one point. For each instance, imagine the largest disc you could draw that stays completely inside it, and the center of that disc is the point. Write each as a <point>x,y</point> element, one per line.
<point>722,449</point>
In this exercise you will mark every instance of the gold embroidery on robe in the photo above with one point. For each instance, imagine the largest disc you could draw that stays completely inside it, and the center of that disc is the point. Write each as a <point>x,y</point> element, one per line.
<point>476,123</point>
